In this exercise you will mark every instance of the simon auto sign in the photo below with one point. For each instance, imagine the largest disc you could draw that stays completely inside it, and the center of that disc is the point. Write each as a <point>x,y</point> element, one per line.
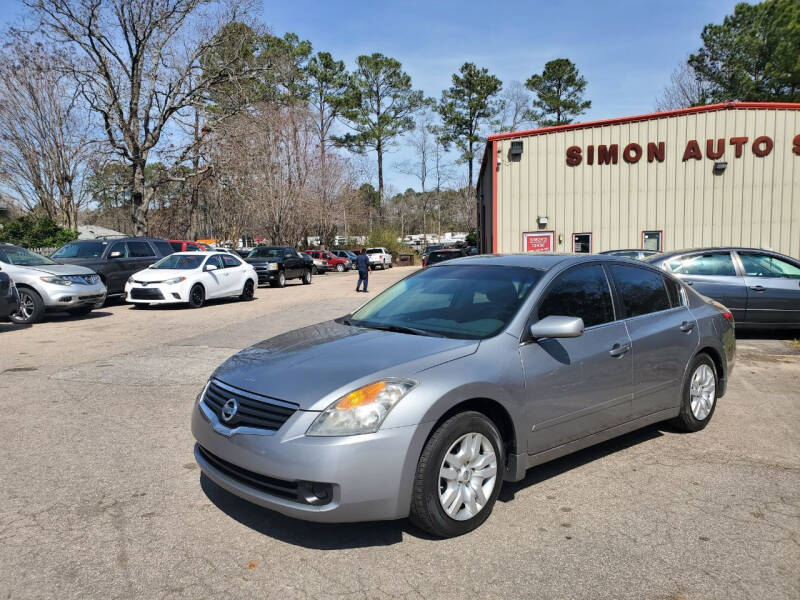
<point>656,151</point>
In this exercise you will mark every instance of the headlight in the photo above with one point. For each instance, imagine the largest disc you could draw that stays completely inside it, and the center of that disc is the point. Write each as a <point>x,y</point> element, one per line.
<point>174,280</point>
<point>272,266</point>
<point>362,410</point>
<point>56,280</point>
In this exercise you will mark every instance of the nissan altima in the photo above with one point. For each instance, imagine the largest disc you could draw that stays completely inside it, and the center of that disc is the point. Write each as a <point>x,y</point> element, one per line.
<point>456,379</point>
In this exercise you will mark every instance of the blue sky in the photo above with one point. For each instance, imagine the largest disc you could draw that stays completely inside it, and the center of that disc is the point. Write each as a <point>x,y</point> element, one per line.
<point>625,49</point>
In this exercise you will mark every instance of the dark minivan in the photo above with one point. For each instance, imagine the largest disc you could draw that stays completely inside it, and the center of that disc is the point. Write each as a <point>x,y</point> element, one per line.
<point>114,259</point>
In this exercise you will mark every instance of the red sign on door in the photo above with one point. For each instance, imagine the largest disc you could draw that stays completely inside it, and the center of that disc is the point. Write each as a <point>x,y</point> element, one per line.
<point>541,241</point>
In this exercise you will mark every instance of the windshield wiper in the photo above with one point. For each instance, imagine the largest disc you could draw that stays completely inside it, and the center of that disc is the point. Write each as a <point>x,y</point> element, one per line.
<point>401,329</point>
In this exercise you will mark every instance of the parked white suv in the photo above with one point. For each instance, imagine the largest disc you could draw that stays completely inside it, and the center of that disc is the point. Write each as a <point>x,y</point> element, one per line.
<point>379,257</point>
<point>45,285</point>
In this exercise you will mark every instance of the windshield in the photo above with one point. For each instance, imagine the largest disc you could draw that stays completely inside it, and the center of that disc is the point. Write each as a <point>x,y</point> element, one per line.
<point>265,252</point>
<point>179,261</point>
<point>466,302</point>
<point>14,255</point>
<point>81,250</point>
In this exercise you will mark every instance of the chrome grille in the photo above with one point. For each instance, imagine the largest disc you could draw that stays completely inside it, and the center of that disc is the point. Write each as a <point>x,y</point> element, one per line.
<point>82,279</point>
<point>253,410</point>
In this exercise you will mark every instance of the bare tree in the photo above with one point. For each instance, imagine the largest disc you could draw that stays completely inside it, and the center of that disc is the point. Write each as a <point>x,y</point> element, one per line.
<point>685,89</point>
<point>138,63</point>
<point>45,132</point>
<point>515,104</point>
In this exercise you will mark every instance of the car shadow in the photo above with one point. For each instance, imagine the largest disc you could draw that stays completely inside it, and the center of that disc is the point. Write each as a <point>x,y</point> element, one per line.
<point>316,536</point>
<point>566,463</point>
<point>184,306</point>
<point>9,326</point>
<point>65,316</point>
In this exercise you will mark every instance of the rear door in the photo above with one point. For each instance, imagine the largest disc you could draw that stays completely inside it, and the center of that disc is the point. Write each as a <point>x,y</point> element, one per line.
<point>577,386</point>
<point>120,267</point>
<point>141,253</point>
<point>773,288</point>
<point>713,274</point>
<point>293,264</point>
<point>234,274</point>
<point>664,336</point>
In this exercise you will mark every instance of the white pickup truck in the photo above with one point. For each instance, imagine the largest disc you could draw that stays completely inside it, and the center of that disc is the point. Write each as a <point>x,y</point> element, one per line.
<point>379,257</point>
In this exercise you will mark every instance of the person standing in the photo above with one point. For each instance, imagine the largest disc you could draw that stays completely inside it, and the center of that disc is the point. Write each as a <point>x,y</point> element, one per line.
<point>362,264</point>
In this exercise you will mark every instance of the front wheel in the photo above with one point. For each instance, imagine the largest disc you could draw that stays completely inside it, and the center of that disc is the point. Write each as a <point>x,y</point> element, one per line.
<point>31,308</point>
<point>247,291</point>
<point>340,268</point>
<point>197,296</point>
<point>280,282</point>
<point>699,395</point>
<point>459,475</point>
<point>307,277</point>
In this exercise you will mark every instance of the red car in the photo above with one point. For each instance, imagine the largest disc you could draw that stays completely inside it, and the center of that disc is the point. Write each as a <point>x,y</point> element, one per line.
<point>187,246</point>
<point>339,264</point>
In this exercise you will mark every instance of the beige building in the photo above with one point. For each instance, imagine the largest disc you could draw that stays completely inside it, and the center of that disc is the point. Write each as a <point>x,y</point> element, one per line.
<point>725,174</point>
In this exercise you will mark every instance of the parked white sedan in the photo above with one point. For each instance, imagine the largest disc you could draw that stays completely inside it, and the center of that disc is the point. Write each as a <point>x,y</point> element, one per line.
<point>192,278</point>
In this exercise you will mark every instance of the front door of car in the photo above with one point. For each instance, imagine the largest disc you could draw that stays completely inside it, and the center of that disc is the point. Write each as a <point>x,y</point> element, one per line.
<point>773,288</point>
<point>664,336</point>
<point>583,385</point>
<point>213,280</point>
<point>713,274</point>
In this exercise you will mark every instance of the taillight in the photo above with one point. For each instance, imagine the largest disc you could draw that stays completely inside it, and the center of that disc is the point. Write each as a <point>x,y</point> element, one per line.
<point>727,314</point>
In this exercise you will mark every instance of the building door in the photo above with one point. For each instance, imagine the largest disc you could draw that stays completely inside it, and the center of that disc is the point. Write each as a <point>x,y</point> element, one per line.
<point>651,240</point>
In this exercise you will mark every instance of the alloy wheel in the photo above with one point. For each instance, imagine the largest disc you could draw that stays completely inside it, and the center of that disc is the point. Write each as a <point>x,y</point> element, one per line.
<point>702,392</point>
<point>26,306</point>
<point>467,476</point>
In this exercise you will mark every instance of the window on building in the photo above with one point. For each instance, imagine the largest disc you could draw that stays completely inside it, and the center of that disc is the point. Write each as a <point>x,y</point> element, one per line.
<point>582,243</point>
<point>651,240</point>
<point>642,290</point>
<point>711,263</point>
<point>582,292</point>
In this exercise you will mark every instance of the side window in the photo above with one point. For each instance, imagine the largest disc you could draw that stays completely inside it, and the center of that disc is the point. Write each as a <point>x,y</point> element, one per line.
<point>712,263</point>
<point>642,290</point>
<point>192,248</point>
<point>140,250</point>
<point>120,247</point>
<point>214,260</point>
<point>765,265</point>
<point>581,292</point>
<point>176,246</point>
<point>165,248</point>
<point>673,292</point>
<point>229,261</point>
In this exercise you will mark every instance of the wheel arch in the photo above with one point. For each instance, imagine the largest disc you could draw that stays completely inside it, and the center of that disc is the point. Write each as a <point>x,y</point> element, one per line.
<point>719,364</point>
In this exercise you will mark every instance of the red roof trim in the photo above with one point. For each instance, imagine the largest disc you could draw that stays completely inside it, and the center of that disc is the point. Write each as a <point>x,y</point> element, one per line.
<point>649,116</point>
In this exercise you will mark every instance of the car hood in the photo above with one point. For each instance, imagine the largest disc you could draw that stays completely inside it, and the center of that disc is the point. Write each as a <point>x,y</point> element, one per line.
<point>315,365</point>
<point>61,270</point>
<point>161,274</point>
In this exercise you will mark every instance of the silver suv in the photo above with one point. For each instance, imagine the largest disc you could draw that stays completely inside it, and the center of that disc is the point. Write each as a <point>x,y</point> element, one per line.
<point>46,285</point>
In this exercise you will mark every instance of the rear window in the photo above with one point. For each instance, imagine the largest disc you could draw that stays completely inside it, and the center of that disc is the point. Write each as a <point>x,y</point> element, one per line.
<point>165,248</point>
<point>580,292</point>
<point>673,292</point>
<point>374,251</point>
<point>139,250</point>
<point>643,291</point>
<point>176,246</point>
<point>229,261</point>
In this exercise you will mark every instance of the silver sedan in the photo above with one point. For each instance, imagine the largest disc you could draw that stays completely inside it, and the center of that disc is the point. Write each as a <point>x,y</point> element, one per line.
<point>456,379</point>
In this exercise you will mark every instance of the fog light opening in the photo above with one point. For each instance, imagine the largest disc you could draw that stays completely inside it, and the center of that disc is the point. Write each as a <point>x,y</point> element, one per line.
<point>315,494</point>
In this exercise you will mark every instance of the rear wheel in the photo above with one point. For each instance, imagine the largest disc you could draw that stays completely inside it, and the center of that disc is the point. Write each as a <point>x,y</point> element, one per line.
<point>699,395</point>
<point>307,277</point>
<point>247,291</point>
<point>459,475</point>
<point>31,308</point>
<point>340,268</point>
<point>197,296</point>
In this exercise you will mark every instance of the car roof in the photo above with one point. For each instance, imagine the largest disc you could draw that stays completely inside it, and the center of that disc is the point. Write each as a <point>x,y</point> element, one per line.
<point>532,261</point>
<point>674,253</point>
<point>448,250</point>
<point>197,253</point>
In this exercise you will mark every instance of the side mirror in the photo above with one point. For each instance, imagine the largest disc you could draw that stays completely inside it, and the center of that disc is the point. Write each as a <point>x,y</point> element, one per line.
<point>210,268</point>
<point>115,254</point>
<point>556,326</point>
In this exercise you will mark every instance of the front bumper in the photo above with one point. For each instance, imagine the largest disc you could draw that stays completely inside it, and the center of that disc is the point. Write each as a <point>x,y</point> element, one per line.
<point>156,293</point>
<point>370,476</point>
<point>56,297</point>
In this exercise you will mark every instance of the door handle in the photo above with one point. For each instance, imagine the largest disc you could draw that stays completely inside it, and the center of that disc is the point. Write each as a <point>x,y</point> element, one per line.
<point>687,326</point>
<point>758,288</point>
<point>618,350</point>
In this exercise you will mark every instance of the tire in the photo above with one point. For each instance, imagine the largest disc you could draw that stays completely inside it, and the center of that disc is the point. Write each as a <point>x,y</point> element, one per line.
<point>281,280</point>
<point>197,296</point>
<point>390,264</point>
<point>80,312</point>
<point>427,511</point>
<point>307,277</point>
<point>340,268</point>
<point>248,290</point>
<point>31,308</point>
<point>702,377</point>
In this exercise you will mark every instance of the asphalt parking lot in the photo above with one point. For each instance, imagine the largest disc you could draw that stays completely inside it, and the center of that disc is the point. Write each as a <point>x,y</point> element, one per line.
<point>101,497</point>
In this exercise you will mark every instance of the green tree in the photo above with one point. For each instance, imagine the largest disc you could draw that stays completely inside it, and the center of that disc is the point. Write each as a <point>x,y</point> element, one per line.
<point>327,85</point>
<point>380,106</point>
<point>559,93</point>
<point>754,55</point>
<point>36,232</point>
<point>465,107</point>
